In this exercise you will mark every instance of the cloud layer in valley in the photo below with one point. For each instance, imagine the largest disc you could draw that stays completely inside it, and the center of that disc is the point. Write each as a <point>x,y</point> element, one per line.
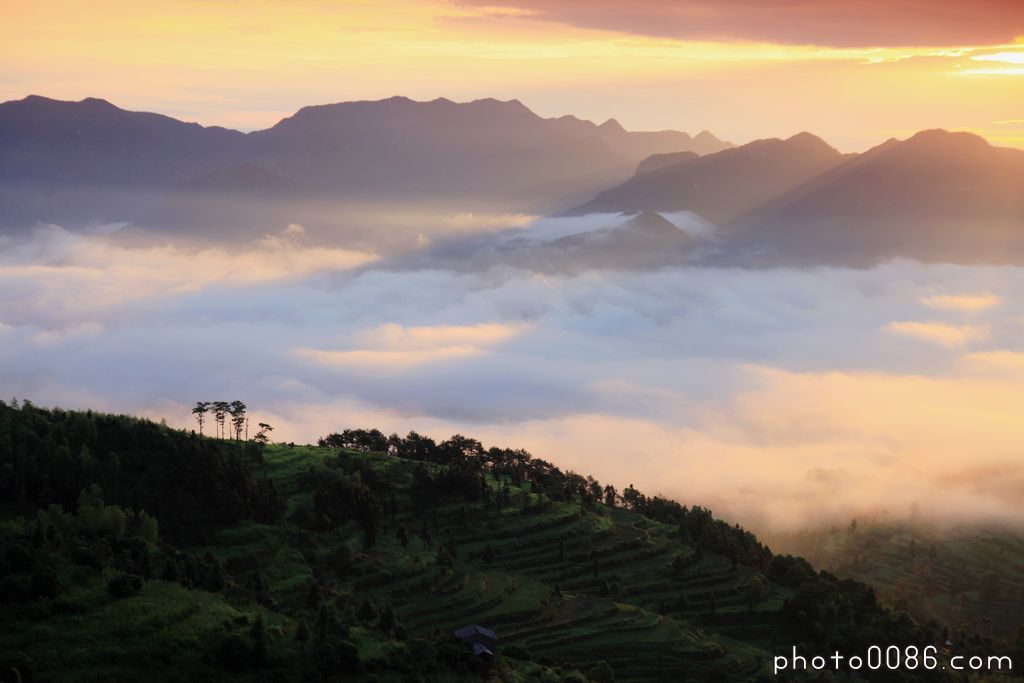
<point>777,397</point>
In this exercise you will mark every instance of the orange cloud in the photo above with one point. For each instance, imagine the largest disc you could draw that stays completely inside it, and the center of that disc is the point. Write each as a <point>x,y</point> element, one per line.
<point>386,359</point>
<point>397,347</point>
<point>942,334</point>
<point>840,23</point>
<point>855,72</point>
<point>961,302</point>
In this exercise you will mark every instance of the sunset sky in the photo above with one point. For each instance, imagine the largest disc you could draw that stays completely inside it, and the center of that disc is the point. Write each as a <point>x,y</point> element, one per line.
<point>853,71</point>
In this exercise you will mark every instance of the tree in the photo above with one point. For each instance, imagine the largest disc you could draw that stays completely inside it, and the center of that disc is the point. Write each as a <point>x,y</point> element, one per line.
<point>324,624</point>
<point>601,673</point>
<point>262,437</point>
<point>609,495</point>
<point>367,613</point>
<point>425,534</point>
<point>387,621</point>
<point>200,411</point>
<point>403,536</point>
<point>237,411</point>
<point>148,528</point>
<point>124,585</point>
<point>631,497</point>
<point>259,639</point>
<point>302,635</point>
<point>259,584</point>
<point>220,410</point>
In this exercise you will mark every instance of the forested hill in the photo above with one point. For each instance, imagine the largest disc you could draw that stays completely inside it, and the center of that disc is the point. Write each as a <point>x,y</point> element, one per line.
<point>132,551</point>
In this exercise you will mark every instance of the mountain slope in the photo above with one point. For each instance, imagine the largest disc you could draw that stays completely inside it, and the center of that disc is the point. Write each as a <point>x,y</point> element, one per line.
<point>721,186</point>
<point>656,162</point>
<point>957,575</point>
<point>358,558</point>
<point>642,241</point>
<point>482,150</point>
<point>937,196</point>
<point>240,199</point>
<point>89,161</point>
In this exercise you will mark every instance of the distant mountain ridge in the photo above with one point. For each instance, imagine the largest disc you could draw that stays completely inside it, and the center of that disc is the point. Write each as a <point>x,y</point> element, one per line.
<point>936,196</point>
<point>719,186</point>
<point>67,162</point>
<point>90,161</point>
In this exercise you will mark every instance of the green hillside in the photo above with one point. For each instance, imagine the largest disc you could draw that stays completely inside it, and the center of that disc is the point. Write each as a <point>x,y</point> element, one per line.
<point>969,577</point>
<point>131,551</point>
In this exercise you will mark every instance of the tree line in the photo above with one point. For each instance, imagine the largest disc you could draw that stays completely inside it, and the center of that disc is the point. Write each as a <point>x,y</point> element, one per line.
<point>465,461</point>
<point>190,484</point>
<point>230,415</point>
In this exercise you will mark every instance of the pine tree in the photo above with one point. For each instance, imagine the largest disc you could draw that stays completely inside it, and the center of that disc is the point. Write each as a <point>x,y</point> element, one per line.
<point>200,411</point>
<point>259,639</point>
<point>302,635</point>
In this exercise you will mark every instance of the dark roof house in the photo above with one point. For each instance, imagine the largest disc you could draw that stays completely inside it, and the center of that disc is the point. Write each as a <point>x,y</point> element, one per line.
<point>483,639</point>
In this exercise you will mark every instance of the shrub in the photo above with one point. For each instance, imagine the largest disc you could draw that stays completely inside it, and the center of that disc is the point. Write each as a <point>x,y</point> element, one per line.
<point>45,583</point>
<point>124,585</point>
<point>85,556</point>
<point>232,653</point>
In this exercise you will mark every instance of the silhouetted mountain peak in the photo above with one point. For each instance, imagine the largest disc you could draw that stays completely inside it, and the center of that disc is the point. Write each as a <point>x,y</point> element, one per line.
<point>943,136</point>
<point>943,141</point>
<point>937,195</point>
<point>611,126</point>
<point>720,186</point>
<point>99,103</point>
<point>48,103</point>
<point>652,223</point>
<point>805,139</point>
<point>656,162</point>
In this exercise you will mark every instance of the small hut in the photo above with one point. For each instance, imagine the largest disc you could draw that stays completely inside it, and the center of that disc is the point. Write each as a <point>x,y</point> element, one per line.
<point>483,640</point>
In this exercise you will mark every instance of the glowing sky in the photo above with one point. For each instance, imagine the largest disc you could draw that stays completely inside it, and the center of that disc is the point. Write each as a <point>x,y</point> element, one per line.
<point>855,71</point>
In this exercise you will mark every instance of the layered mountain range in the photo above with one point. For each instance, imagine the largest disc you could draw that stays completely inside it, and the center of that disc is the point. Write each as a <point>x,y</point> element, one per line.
<point>936,196</point>
<point>92,162</point>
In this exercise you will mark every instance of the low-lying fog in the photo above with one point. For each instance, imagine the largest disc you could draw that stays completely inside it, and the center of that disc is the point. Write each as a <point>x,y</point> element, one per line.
<point>779,398</point>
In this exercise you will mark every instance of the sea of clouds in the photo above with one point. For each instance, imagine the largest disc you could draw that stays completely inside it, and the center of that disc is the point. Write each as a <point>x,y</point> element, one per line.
<point>780,398</point>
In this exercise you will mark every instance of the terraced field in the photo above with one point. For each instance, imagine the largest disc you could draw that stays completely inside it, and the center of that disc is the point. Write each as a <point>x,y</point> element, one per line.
<point>365,563</point>
<point>567,583</point>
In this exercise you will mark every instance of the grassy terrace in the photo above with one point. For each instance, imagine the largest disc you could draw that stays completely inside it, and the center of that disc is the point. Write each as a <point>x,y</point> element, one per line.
<point>312,564</point>
<point>627,610</point>
<point>571,586</point>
